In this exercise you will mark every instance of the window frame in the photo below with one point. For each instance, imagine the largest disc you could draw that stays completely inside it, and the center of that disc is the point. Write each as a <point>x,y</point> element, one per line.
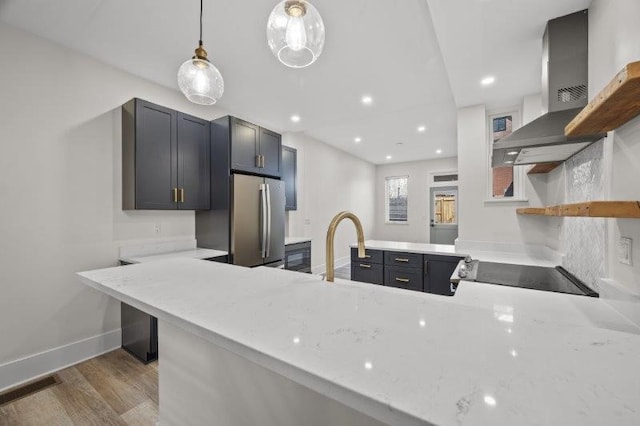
<point>386,201</point>
<point>518,171</point>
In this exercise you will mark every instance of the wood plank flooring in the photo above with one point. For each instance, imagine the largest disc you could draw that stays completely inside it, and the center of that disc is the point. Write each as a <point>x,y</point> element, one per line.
<point>112,389</point>
<point>343,272</point>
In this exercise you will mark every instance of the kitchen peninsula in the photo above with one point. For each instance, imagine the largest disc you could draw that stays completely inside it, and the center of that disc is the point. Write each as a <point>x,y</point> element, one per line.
<point>261,345</point>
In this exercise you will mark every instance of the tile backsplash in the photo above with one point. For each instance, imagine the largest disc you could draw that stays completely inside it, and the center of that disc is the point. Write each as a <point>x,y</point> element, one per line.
<point>583,239</point>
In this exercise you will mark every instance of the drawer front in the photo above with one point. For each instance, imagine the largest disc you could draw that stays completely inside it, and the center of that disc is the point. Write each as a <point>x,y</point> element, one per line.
<point>371,256</point>
<point>367,272</point>
<point>407,278</point>
<point>406,260</point>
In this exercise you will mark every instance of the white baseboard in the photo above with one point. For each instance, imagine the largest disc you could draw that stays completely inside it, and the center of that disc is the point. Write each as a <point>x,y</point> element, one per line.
<point>23,370</point>
<point>321,269</point>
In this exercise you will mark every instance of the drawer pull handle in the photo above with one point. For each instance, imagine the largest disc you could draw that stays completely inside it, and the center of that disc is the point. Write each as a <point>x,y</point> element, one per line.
<point>452,288</point>
<point>368,256</point>
<point>364,265</point>
<point>402,280</point>
<point>401,259</point>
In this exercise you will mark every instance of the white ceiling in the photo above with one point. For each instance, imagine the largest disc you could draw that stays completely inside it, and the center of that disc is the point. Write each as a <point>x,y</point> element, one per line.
<point>500,38</point>
<point>386,49</point>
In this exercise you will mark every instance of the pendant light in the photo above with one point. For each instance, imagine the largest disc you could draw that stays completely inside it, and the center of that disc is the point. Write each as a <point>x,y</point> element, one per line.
<point>295,33</point>
<point>198,79</point>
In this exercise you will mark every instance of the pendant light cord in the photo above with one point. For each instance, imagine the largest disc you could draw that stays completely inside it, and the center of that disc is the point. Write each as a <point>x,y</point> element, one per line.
<point>201,22</point>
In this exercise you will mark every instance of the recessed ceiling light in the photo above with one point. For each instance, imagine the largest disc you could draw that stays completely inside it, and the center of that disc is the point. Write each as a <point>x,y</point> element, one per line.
<point>512,153</point>
<point>422,129</point>
<point>388,157</point>
<point>367,100</point>
<point>357,139</point>
<point>488,80</point>
<point>438,151</point>
<point>295,118</point>
<point>399,143</point>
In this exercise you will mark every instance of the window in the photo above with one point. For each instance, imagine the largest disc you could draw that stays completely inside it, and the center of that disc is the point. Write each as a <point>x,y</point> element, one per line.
<point>505,183</point>
<point>396,199</point>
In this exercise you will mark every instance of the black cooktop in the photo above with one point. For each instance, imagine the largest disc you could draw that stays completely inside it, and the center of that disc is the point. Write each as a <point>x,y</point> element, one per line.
<point>533,277</point>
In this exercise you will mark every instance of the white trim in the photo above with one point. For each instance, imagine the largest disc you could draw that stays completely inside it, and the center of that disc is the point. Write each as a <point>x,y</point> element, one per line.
<point>507,200</point>
<point>431,182</point>
<point>322,268</point>
<point>19,371</point>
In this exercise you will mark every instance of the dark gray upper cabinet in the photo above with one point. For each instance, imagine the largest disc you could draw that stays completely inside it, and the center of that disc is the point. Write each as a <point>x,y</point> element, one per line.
<point>193,162</point>
<point>289,172</point>
<point>255,149</point>
<point>165,158</point>
<point>245,146</point>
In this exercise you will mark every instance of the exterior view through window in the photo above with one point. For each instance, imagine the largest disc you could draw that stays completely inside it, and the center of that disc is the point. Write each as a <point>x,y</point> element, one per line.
<point>502,176</point>
<point>396,199</point>
<point>445,207</point>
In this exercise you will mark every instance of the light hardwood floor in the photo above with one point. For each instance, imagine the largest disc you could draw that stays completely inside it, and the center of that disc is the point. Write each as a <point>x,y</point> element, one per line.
<point>112,389</point>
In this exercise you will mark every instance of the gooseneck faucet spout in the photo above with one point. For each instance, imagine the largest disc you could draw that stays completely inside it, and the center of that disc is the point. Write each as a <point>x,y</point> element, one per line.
<point>331,233</point>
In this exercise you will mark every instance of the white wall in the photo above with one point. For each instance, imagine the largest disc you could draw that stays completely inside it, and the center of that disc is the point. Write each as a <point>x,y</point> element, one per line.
<point>417,228</point>
<point>60,180</point>
<point>329,181</point>
<point>494,221</point>
<point>614,41</point>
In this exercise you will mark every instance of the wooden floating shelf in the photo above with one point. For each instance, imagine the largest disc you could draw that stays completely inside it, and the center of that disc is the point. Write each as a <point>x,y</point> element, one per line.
<point>620,209</point>
<point>542,168</point>
<point>616,104</point>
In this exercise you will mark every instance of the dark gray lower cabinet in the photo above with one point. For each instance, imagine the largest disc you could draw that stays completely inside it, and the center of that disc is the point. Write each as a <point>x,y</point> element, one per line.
<point>367,272</point>
<point>437,273</point>
<point>401,277</point>
<point>411,271</point>
<point>297,257</point>
<point>139,333</point>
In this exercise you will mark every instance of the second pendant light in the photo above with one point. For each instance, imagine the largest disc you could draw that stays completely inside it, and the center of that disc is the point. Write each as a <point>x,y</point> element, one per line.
<point>295,33</point>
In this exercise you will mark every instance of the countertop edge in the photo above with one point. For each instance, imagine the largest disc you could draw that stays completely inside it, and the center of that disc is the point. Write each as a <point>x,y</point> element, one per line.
<point>379,410</point>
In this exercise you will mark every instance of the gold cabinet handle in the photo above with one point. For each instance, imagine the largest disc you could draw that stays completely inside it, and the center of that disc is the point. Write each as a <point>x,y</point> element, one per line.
<point>175,195</point>
<point>367,256</point>
<point>401,259</point>
<point>364,265</point>
<point>182,195</point>
<point>402,280</point>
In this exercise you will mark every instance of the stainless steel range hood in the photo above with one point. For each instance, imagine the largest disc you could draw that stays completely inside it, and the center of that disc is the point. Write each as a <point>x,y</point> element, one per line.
<point>564,94</point>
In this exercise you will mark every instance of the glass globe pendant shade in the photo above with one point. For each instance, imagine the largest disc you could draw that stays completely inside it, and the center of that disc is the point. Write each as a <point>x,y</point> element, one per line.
<point>200,80</point>
<point>295,33</point>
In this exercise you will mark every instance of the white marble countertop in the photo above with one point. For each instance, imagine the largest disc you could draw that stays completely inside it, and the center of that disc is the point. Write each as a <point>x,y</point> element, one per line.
<point>196,253</point>
<point>489,355</point>
<point>446,249</point>
<point>296,240</point>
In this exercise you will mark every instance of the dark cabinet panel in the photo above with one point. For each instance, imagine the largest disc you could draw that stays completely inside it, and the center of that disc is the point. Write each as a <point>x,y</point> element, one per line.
<point>245,146</point>
<point>411,260</point>
<point>193,163</point>
<point>367,272</point>
<point>371,256</point>
<point>402,277</point>
<point>165,158</point>
<point>289,172</point>
<point>149,156</point>
<point>271,152</point>
<point>437,273</point>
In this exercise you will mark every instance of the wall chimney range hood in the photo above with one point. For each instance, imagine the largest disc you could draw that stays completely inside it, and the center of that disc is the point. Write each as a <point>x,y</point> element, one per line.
<point>564,94</point>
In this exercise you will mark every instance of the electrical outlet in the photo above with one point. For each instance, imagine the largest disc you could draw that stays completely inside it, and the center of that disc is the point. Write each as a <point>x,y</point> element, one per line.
<point>157,228</point>
<point>624,250</point>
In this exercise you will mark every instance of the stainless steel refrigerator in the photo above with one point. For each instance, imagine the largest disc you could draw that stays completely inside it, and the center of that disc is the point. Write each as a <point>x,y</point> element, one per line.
<point>256,221</point>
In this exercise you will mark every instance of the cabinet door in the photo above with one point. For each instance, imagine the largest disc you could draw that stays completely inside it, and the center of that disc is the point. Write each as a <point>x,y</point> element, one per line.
<point>437,271</point>
<point>193,163</point>
<point>245,146</point>
<point>289,170</point>
<point>271,151</point>
<point>155,157</point>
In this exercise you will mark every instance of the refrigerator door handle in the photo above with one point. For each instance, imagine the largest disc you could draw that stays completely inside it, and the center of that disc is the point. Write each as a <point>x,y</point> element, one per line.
<point>263,213</point>
<point>268,220</point>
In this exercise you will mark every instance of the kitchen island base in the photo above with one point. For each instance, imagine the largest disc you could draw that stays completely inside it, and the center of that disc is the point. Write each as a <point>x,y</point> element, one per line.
<point>203,383</point>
